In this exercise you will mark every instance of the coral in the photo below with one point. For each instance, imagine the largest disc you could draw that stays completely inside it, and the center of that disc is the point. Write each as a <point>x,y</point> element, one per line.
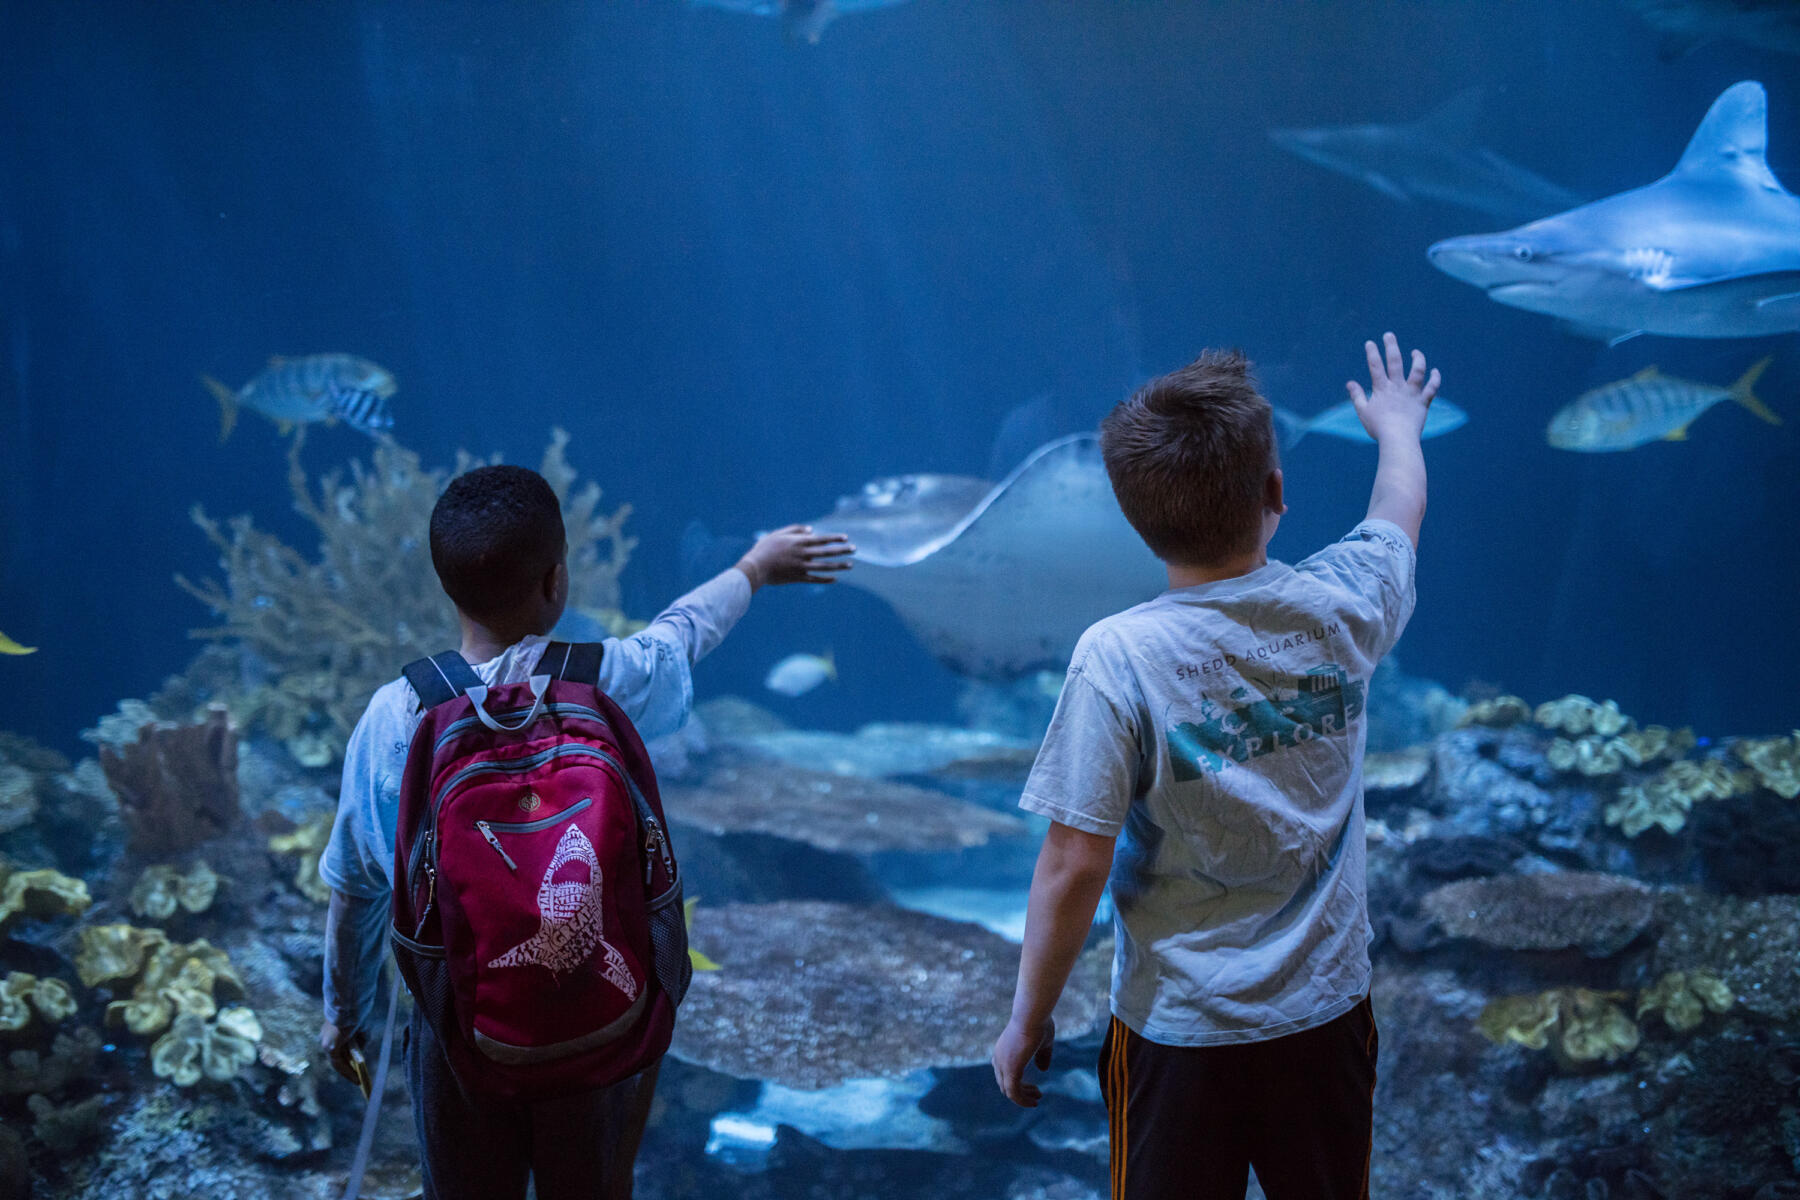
<point>1641,746</point>
<point>1578,1025</point>
<point>21,995</point>
<point>1682,998</point>
<point>161,889</point>
<point>322,633</point>
<point>1588,756</point>
<point>195,1049</point>
<point>1600,914</point>
<point>1667,797</point>
<point>1776,762</point>
<point>42,893</point>
<point>1579,715</point>
<point>66,1128</point>
<point>18,797</point>
<point>1500,712</point>
<point>71,1060</point>
<point>177,784</point>
<point>177,980</point>
<point>308,841</point>
<point>111,952</point>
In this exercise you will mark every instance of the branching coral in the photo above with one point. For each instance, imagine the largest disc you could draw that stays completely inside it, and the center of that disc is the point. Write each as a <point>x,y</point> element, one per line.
<point>42,893</point>
<point>177,784</point>
<point>162,889</point>
<point>308,841</point>
<point>1683,998</point>
<point>1667,797</point>
<point>194,1048</point>
<point>1776,762</point>
<point>1578,1025</point>
<point>325,632</point>
<point>1499,712</point>
<point>1579,715</point>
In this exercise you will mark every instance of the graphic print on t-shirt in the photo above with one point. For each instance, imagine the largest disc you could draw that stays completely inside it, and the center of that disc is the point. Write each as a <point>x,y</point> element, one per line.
<point>1320,703</point>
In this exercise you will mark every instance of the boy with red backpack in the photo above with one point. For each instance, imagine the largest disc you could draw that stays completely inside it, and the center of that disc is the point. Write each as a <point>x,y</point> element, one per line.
<point>499,823</point>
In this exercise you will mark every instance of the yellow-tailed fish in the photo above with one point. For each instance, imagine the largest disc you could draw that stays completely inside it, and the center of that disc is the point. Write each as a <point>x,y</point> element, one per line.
<point>1647,407</point>
<point>317,387</point>
<point>8,646</point>
<point>699,960</point>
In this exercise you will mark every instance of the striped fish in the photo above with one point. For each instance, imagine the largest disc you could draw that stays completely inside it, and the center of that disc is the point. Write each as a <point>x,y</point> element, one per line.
<point>318,387</point>
<point>1647,407</point>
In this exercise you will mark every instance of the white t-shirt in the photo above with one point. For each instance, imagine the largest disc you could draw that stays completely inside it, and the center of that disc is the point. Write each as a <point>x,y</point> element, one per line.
<point>1217,731</point>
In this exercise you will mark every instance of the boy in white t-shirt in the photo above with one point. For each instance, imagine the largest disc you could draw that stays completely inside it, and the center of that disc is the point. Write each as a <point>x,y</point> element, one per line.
<point>1206,758</point>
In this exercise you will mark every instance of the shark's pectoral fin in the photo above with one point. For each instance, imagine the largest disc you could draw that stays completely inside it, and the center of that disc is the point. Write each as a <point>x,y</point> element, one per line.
<point>1599,333</point>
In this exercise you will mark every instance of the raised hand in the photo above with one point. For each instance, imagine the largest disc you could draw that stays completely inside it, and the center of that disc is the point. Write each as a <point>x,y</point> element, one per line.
<point>1396,402</point>
<point>796,554</point>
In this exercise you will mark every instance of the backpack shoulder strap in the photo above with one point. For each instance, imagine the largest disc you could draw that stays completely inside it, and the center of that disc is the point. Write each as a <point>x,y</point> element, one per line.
<point>440,678</point>
<point>573,662</point>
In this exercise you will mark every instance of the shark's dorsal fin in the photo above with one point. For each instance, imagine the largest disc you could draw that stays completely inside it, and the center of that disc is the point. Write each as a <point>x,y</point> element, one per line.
<point>1734,138</point>
<point>1454,121</point>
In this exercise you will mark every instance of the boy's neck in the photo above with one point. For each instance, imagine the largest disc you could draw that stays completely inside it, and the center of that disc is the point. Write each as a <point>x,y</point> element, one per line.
<point>1242,564</point>
<point>482,642</point>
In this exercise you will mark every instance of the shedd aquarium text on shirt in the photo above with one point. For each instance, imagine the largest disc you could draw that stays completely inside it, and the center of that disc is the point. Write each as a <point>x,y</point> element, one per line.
<point>1262,652</point>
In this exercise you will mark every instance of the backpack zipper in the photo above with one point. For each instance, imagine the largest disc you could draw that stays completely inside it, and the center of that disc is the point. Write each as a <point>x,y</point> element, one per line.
<point>529,762</point>
<point>556,710</point>
<point>489,828</point>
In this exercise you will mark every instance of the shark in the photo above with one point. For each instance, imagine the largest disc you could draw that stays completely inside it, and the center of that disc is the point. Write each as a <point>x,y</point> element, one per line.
<point>1434,158</point>
<point>1710,250</point>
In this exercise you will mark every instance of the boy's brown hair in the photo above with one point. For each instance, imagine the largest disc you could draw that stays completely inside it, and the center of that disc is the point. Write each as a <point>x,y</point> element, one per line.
<point>1188,456</point>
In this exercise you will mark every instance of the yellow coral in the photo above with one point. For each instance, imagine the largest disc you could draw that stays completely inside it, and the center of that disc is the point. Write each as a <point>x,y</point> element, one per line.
<point>1579,715</point>
<point>1776,762</point>
<point>1640,746</point>
<point>308,841</point>
<point>21,993</point>
<point>1499,712</point>
<point>1589,755</point>
<point>111,952</point>
<point>1666,798</point>
<point>194,1049</point>
<point>1579,1025</point>
<point>161,889</point>
<point>1683,998</point>
<point>176,980</point>
<point>42,893</point>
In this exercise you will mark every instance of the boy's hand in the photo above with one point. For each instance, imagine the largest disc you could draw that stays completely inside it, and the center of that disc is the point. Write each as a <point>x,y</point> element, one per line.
<point>796,555</point>
<point>1396,404</point>
<point>1018,1046</point>
<point>337,1044</point>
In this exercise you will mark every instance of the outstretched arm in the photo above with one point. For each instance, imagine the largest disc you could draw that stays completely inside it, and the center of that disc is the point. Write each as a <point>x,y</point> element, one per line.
<point>1071,873</point>
<point>1393,411</point>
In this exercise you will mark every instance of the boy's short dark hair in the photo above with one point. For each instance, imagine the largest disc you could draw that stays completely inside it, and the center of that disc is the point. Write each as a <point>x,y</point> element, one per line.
<point>495,531</point>
<point>1188,455</point>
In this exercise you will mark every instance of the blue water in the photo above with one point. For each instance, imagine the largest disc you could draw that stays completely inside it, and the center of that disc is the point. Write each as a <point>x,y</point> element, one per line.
<point>749,273</point>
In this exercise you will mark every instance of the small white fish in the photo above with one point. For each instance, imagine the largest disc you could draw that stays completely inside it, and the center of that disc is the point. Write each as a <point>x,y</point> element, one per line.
<point>798,674</point>
<point>1341,421</point>
<point>1647,407</point>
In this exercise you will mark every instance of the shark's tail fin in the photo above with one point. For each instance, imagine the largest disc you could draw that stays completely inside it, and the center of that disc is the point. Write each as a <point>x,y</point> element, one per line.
<point>1290,426</point>
<point>1742,393</point>
<point>228,405</point>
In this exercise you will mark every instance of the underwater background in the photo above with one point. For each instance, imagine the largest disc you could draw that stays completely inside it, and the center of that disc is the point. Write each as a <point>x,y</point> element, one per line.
<point>747,271</point>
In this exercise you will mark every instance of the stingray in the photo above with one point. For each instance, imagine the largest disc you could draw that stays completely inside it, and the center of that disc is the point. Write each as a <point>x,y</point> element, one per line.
<point>999,580</point>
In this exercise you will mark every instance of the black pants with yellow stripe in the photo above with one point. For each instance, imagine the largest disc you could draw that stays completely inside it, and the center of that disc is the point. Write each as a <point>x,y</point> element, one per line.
<point>1191,1122</point>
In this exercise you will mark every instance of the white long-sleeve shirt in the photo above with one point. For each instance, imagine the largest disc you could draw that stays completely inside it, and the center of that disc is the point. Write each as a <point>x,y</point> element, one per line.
<point>649,676</point>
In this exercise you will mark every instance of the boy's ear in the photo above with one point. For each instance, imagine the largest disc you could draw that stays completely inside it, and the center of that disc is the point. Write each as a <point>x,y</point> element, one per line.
<point>556,583</point>
<point>1272,500</point>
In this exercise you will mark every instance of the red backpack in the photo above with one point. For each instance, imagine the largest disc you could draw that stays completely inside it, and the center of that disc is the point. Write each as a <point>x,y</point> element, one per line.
<point>537,907</point>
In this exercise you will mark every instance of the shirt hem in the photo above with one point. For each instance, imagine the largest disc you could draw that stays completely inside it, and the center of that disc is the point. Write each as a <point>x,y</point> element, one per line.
<point>1230,1037</point>
<point>1069,817</point>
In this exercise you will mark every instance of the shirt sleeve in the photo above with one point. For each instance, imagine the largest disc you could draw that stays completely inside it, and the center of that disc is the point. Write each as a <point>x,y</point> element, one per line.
<point>358,859</point>
<point>1086,773</point>
<point>1369,575</point>
<point>650,673</point>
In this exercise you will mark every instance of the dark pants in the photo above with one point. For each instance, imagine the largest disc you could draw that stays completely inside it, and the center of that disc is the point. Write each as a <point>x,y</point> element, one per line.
<point>476,1148</point>
<point>1190,1122</point>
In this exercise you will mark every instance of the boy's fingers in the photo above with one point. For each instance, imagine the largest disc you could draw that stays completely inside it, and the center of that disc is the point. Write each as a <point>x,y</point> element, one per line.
<point>1356,394</point>
<point>1392,344</point>
<point>1416,376</point>
<point>818,579</point>
<point>1374,357</point>
<point>1431,385</point>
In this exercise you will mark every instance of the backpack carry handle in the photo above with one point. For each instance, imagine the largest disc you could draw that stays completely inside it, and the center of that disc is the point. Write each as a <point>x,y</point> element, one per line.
<point>479,693</point>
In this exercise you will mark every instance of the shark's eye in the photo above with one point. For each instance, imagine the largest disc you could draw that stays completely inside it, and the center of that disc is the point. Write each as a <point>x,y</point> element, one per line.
<point>1522,253</point>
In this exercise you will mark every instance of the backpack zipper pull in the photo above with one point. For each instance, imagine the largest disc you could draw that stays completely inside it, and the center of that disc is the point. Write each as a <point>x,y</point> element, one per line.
<point>495,843</point>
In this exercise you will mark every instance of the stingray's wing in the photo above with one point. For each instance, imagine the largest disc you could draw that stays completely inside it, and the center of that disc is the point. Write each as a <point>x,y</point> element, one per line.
<point>1009,588</point>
